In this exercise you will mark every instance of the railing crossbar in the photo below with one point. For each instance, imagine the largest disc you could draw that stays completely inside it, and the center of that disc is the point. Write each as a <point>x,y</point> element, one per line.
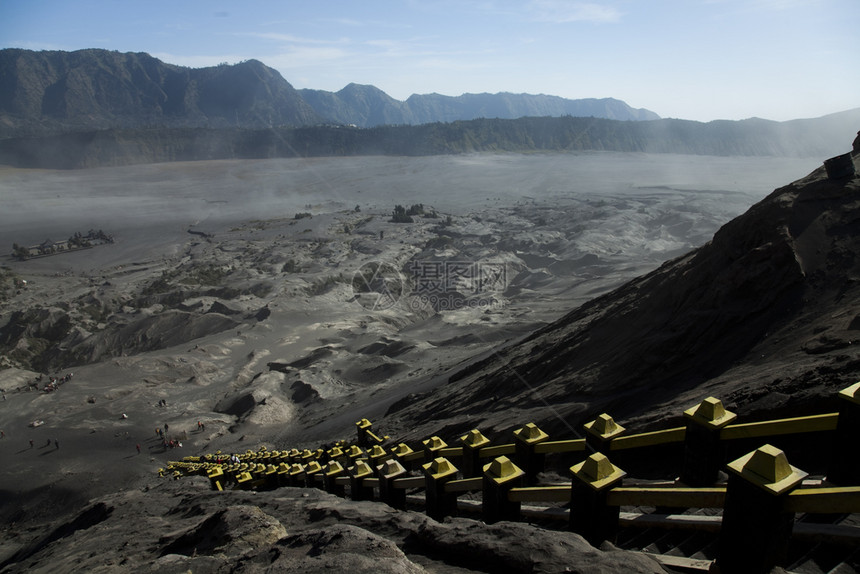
<point>654,438</point>
<point>465,485</point>
<point>550,446</point>
<point>451,452</point>
<point>684,497</point>
<point>837,500</point>
<point>796,425</point>
<point>409,482</point>
<point>498,450</point>
<point>540,494</point>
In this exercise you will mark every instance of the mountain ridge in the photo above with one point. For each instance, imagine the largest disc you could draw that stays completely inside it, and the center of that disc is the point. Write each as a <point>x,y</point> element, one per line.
<point>368,106</point>
<point>813,138</point>
<point>96,108</point>
<point>55,91</point>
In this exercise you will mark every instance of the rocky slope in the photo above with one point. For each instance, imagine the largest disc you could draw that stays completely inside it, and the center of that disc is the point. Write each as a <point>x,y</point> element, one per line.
<point>174,527</point>
<point>765,316</point>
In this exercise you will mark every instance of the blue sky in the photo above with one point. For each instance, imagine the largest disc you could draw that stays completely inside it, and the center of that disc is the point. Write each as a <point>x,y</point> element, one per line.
<point>691,59</point>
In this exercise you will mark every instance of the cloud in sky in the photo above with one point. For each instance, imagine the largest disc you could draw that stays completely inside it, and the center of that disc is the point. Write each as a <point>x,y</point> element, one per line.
<point>562,12</point>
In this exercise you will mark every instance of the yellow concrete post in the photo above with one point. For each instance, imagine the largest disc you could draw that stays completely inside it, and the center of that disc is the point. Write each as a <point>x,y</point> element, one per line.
<point>400,452</point>
<point>297,475</point>
<point>331,472</point>
<point>590,515</point>
<point>844,465</point>
<point>432,446</point>
<point>473,442</point>
<point>283,474</point>
<point>353,453</point>
<point>600,432</point>
<point>360,471</point>
<point>377,455</point>
<point>437,474</point>
<point>756,528</point>
<point>388,472</point>
<point>270,475</point>
<point>216,478</point>
<point>307,456</point>
<point>336,453</point>
<point>244,480</point>
<point>312,470</point>
<point>704,454</point>
<point>363,428</point>
<point>500,476</point>
<point>525,440</point>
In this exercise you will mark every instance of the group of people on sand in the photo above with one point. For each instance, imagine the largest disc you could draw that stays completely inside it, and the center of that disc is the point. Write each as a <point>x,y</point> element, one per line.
<point>55,382</point>
<point>33,444</point>
<point>165,442</point>
<point>52,385</point>
<point>233,458</point>
<point>47,443</point>
<point>172,443</point>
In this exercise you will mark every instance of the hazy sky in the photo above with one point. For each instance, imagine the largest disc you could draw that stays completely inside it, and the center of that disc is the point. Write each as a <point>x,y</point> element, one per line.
<point>692,59</point>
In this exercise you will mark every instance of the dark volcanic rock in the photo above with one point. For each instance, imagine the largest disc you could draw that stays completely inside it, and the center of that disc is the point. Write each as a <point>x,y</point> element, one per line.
<point>180,526</point>
<point>345,548</point>
<point>222,309</point>
<point>303,392</point>
<point>387,347</point>
<point>234,530</point>
<point>523,549</point>
<point>237,406</point>
<point>312,357</point>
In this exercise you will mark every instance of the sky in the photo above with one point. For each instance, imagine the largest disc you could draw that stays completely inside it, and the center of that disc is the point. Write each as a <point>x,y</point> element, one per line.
<point>691,59</point>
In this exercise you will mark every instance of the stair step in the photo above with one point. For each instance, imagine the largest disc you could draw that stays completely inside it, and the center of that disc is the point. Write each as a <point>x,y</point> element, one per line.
<point>707,552</point>
<point>850,564</point>
<point>681,563</point>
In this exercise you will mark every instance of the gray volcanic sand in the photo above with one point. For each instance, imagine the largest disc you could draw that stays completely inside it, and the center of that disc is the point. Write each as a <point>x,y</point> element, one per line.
<point>562,227</point>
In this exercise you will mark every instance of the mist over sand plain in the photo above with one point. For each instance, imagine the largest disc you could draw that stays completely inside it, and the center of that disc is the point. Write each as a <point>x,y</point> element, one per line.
<point>566,227</point>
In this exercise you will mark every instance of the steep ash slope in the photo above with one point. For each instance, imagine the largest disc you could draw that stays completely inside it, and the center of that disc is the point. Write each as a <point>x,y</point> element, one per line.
<point>764,316</point>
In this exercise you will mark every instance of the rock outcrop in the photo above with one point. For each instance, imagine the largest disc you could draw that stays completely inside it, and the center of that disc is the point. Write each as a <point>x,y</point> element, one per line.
<point>180,526</point>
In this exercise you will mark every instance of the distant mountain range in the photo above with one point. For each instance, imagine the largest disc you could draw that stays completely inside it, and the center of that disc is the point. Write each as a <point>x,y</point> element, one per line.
<point>51,91</point>
<point>368,106</point>
<point>96,107</point>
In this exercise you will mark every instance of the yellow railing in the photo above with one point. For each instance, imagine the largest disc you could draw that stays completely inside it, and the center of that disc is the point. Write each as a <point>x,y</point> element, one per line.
<point>511,480</point>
